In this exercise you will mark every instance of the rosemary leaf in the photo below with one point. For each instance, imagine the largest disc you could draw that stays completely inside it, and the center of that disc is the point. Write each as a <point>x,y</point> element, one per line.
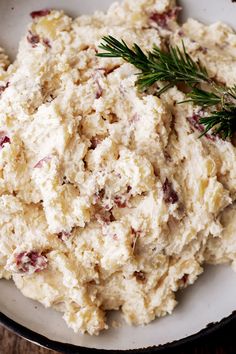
<point>223,122</point>
<point>202,98</point>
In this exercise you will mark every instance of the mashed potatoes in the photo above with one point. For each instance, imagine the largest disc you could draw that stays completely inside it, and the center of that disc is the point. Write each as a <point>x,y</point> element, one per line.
<point>108,199</point>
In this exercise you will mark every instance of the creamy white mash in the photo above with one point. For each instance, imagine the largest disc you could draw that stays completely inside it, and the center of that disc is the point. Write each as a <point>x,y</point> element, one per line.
<point>108,198</point>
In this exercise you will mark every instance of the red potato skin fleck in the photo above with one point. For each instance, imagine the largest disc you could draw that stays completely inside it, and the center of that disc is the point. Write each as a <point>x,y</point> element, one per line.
<point>47,43</point>
<point>99,91</point>
<point>104,217</point>
<point>4,139</point>
<point>25,260</point>
<point>99,195</point>
<point>194,122</point>
<point>181,33</point>
<point>39,164</point>
<point>63,235</point>
<point>33,39</point>
<point>202,49</point>
<point>185,279</point>
<point>162,19</point>
<point>170,196</point>
<point>104,214</point>
<point>95,141</point>
<point>3,88</point>
<point>135,235</point>
<point>140,276</point>
<point>119,203</point>
<point>40,13</point>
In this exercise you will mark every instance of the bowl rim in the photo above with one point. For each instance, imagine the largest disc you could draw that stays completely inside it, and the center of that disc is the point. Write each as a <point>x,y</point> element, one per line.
<point>61,347</point>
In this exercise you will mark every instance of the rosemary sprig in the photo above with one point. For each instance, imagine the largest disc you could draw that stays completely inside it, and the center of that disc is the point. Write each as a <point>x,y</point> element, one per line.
<point>224,122</point>
<point>202,98</point>
<point>172,67</point>
<point>176,66</point>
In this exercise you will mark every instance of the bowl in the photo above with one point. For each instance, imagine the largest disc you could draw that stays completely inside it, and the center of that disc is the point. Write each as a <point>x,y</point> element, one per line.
<point>199,304</point>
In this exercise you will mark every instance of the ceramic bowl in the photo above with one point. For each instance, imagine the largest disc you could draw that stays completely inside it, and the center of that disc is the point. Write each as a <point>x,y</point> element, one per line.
<point>199,304</point>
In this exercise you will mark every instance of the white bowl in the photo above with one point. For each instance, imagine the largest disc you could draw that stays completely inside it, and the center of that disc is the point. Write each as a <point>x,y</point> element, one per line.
<point>199,305</point>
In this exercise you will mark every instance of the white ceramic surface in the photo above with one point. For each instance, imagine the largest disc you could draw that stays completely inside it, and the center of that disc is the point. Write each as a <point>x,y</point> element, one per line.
<point>210,299</point>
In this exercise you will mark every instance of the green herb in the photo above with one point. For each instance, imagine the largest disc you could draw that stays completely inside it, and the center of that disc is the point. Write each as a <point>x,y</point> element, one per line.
<point>174,67</point>
<point>223,122</point>
<point>203,98</point>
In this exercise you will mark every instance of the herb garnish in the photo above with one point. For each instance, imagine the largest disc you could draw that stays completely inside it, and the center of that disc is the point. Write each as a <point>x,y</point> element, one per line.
<point>176,66</point>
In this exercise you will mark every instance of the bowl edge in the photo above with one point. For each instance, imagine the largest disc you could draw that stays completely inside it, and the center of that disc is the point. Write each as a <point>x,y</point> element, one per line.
<point>61,347</point>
